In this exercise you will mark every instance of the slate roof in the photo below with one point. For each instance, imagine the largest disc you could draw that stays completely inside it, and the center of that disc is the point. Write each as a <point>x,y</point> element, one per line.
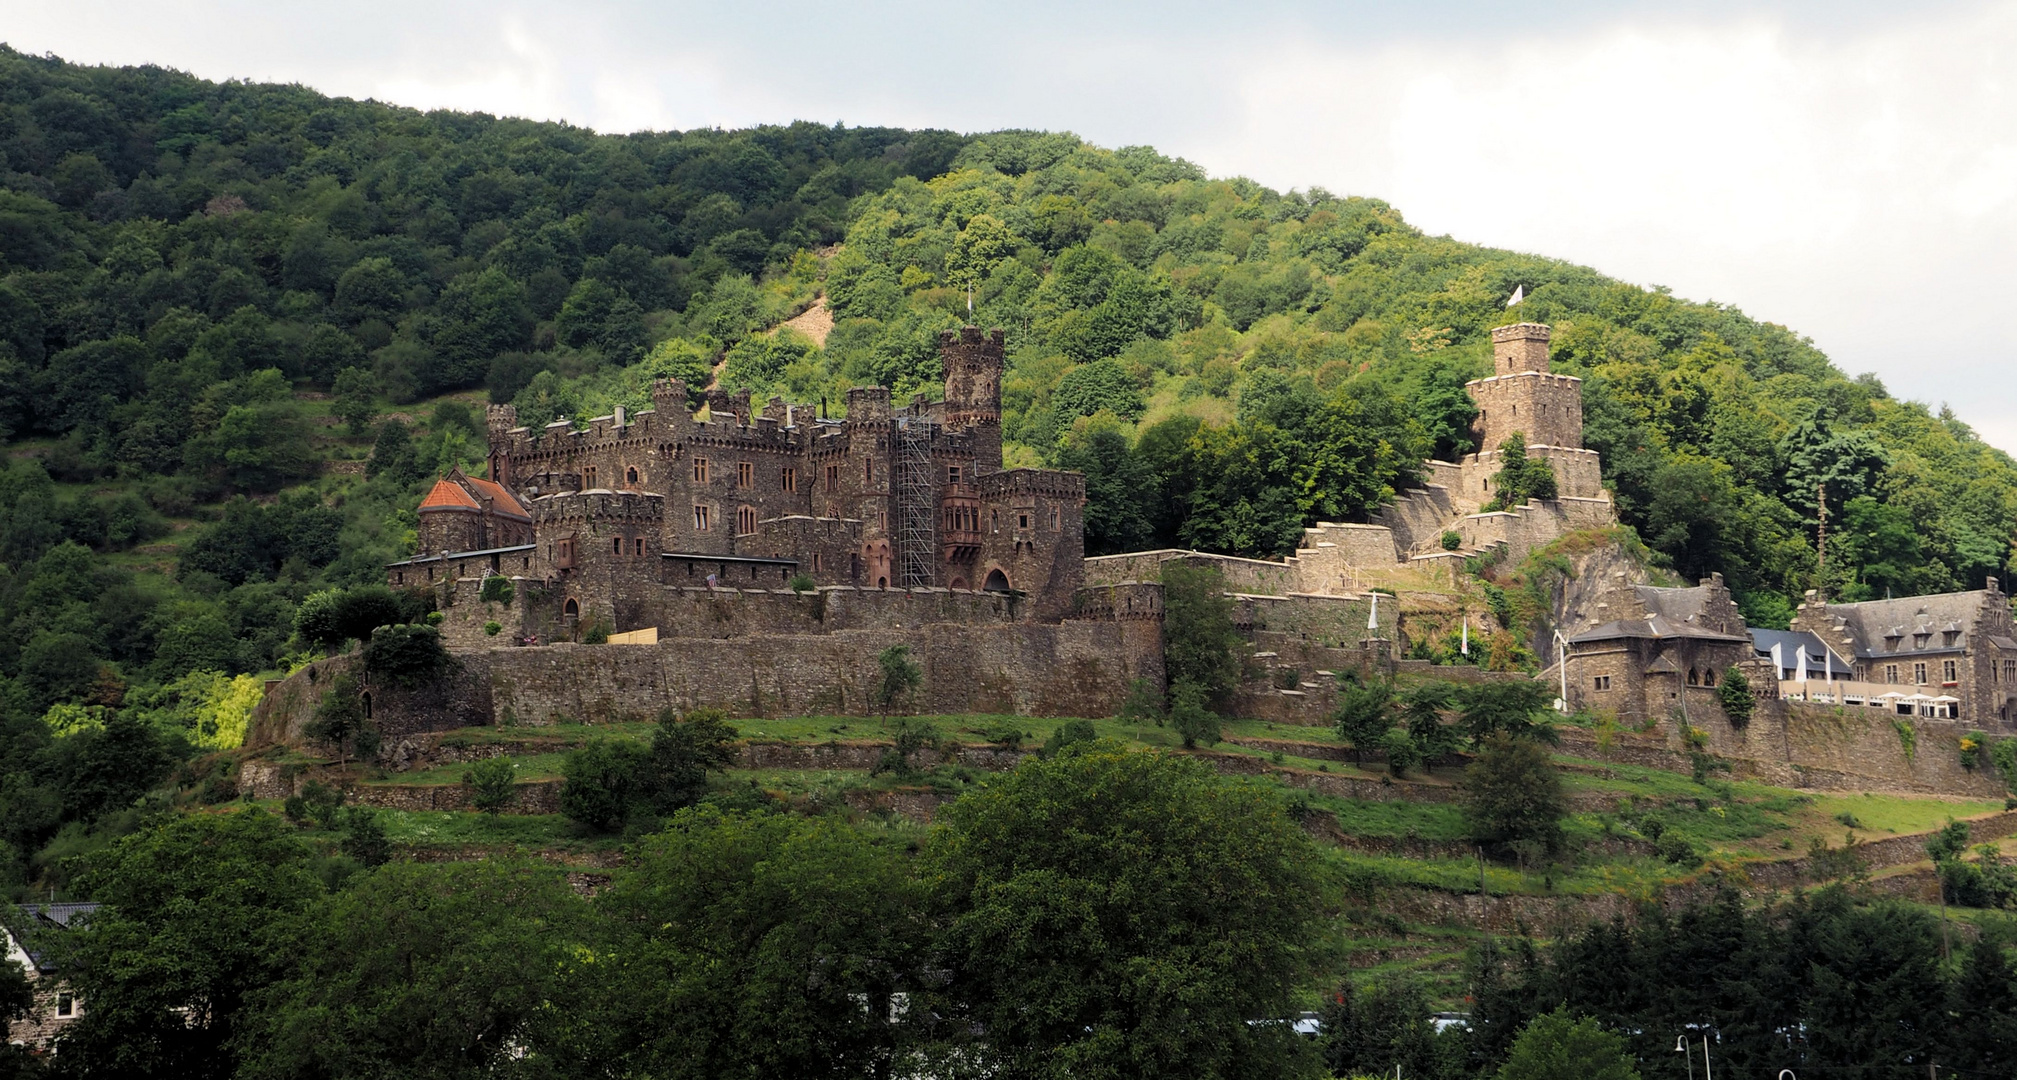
<point>1794,644</point>
<point>39,920</point>
<point>1920,624</point>
<point>1657,627</point>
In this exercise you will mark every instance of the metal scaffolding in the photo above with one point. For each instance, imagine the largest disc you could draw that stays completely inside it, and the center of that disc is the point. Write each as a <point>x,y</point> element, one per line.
<point>916,509</point>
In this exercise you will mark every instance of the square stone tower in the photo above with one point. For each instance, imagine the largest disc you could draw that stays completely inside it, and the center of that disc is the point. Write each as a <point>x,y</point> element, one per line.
<point>1523,396</point>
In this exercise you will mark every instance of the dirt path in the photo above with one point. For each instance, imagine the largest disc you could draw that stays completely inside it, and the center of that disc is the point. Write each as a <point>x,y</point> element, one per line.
<point>815,322</point>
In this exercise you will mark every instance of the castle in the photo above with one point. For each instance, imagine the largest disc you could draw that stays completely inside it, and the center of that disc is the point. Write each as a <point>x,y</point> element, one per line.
<point>703,491</point>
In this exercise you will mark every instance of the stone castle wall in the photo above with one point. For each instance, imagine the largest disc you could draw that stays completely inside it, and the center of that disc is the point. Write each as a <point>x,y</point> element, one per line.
<point>1074,668</point>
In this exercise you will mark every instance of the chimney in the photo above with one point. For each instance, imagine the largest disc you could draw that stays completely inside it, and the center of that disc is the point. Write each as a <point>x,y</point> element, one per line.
<point>619,416</point>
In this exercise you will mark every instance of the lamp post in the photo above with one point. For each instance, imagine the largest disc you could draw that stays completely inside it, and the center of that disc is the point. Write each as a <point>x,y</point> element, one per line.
<point>1562,661</point>
<point>1681,1047</point>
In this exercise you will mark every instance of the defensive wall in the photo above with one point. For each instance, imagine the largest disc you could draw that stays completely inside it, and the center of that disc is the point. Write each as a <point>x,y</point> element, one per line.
<point>1080,667</point>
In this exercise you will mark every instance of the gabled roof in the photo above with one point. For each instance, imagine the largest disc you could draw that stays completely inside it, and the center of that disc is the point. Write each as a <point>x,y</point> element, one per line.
<point>447,495</point>
<point>43,919</point>
<point>501,499</point>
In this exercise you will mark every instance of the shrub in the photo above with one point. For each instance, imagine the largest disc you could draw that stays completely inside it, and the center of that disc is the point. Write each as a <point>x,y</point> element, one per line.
<point>1067,733</point>
<point>597,632</point>
<point>911,736</point>
<point>1676,849</point>
<point>1193,720</point>
<point>490,783</point>
<point>1452,539</point>
<point>683,751</point>
<point>601,782</point>
<point>2003,754</point>
<point>1006,736</point>
<point>493,628</point>
<point>315,803</point>
<point>364,837</point>
<point>1971,749</point>
<point>406,655</point>
<point>1735,694</point>
<point>802,583</point>
<point>1558,1045</point>
<point>497,590</point>
<point>339,717</point>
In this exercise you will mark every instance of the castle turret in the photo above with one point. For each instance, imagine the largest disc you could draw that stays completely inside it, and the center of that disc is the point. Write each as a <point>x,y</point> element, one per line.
<point>499,422</point>
<point>1523,396</point>
<point>973,372</point>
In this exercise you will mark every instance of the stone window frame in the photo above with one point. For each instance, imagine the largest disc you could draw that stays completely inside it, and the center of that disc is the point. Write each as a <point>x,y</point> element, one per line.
<point>630,476</point>
<point>787,480</point>
<point>1601,682</point>
<point>745,474</point>
<point>1054,519</point>
<point>952,474</point>
<point>563,552</point>
<point>1948,672</point>
<point>745,520</point>
<point>700,470</point>
<point>619,546</point>
<point>833,478</point>
<point>587,477</point>
<point>1890,673</point>
<point>703,517</point>
<point>637,547</point>
<point>1919,673</point>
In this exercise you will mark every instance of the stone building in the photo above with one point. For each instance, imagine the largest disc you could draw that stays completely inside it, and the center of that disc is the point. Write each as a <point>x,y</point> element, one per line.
<point>1656,653</point>
<point>1522,396</point>
<point>704,489</point>
<point>1947,656</point>
<point>25,939</point>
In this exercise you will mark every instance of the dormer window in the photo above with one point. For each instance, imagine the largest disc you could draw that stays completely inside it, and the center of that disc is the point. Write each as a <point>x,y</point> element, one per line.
<point>1949,637</point>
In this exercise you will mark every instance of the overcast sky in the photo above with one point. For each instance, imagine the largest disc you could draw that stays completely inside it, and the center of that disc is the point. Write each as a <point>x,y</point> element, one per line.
<point>1846,169</point>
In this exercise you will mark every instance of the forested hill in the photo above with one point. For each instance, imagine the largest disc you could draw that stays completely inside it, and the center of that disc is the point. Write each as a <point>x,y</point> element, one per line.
<point>239,324</point>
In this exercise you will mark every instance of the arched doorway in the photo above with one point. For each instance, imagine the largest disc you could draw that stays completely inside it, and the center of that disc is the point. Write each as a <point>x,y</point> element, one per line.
<point>571,609</point>
<point>996,582</point>
<point>882,583</point>
<point>959,583</point>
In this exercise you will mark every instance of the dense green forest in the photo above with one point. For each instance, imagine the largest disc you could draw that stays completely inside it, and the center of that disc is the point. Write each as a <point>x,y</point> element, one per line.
<point>240,324</point>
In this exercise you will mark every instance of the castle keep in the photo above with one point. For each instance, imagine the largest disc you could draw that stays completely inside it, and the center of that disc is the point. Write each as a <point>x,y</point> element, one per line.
<point>703,490</point>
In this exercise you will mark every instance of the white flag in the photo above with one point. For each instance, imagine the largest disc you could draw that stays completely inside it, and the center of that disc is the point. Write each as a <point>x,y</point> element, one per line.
<point>1466,647</point>
<point>1778,663</point>
<point>1373,620</point>
<point>1519,294</point>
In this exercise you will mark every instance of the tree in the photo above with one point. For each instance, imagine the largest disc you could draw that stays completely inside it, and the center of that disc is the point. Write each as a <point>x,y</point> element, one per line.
<point>393,456</point>
<point>1520,478</point>
<point>602,781</point>
<point>1559,1046</point>
<point>339,716</point>
<point>1734,692</point>
<point>420,970</point>
<point>1117,913</point>
<point>356,394</point>
<point>684,750</point>
<point>897,676</point>
<point>1984,997</point>
<point>1198,633</point>
<point>1363,715</point>
<point>492,783</point>
<point>197,917</point>
<point>1373,1029</point>
<point>1119,489</point>
<point>1510,706</point>
<point>746,945</point>
<point>1193,720</point>
<point>1512,793</point>
<point>406,655</point>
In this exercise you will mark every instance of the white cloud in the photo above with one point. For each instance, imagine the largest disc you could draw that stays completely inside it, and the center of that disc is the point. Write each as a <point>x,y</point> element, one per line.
<point>1849,177</point>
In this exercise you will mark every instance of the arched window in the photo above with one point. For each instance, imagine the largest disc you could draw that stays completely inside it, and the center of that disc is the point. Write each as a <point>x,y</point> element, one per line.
<point>1708,676</point>
<point>996,582</point>
<point>745,520</point>
<point>571,609</point>
<point>630,476</point>
<point>1694,677</point>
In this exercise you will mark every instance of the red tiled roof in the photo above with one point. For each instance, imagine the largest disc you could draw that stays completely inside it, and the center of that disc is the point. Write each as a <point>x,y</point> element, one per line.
<point>447,495</point>
<point>500,496</point>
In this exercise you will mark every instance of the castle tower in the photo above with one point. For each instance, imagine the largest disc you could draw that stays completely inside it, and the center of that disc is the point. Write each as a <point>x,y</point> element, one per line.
<point>499,422</point>
<point>973,372</point>
<point>1523,396</point>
